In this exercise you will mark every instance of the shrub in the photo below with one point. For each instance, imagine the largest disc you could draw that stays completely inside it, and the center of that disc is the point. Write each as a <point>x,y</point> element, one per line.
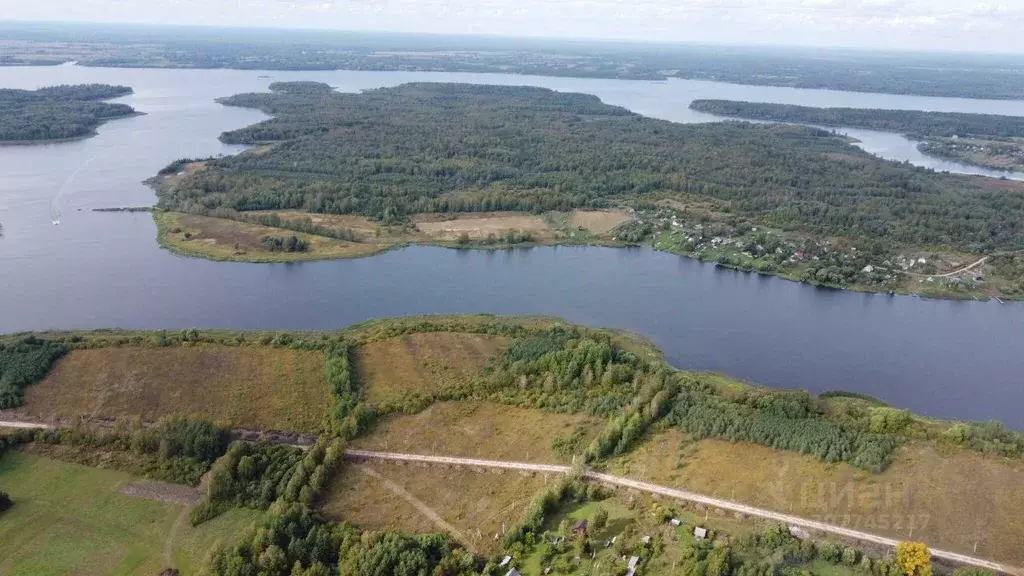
<point>5,501</point>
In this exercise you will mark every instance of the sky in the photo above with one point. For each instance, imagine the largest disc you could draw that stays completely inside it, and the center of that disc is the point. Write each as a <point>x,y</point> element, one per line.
<point>961,25</point>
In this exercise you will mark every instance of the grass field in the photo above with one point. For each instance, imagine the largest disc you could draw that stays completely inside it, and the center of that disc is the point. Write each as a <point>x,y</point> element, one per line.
<point>422,362</point>
<point>478,430</point>
<point>951,498</point>
<point>259,387</point>
<point>71,519</point>
<point>472,505</point>
<point>221,239</point>
<point>224,239</point>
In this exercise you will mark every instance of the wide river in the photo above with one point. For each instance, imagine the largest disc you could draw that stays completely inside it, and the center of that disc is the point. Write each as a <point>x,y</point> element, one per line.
<point>99,270</point>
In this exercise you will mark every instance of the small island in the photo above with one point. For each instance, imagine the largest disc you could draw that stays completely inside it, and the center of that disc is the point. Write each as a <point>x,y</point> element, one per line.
<point>58,113</point>
<point>336,175</point>
<point>986,140</point>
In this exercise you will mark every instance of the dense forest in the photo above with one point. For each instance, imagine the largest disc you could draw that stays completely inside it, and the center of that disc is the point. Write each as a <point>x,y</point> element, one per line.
<point>911,122</point>
<point>892,72</point>
<point>392,152</point>
<point>58,112</point>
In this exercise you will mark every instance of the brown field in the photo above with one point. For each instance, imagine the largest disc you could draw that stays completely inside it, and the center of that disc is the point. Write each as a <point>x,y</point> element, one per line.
<point>598,222</point>
<point>266,388</point>
<point>423,362</point>
<point>477,430</point>
<point>479,225</point>
<point>365,230</point>
<point>470,505</point>
<point>952,498</point>
<point>222,239</point>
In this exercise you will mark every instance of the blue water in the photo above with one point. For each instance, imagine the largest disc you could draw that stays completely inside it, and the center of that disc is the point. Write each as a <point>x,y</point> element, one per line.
<point>100,270</point>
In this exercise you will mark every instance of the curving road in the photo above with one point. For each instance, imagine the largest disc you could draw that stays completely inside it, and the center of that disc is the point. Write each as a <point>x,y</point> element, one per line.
<point>678,495</point>
<point>649,488</point>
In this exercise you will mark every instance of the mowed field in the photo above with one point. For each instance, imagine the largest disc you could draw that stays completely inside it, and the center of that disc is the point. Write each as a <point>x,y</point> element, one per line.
<point>259,387</point>
<point>479,225</point>
<point>472,506</point>
<point>71,519</point>
<point>478,430</point>
<point>222,239</point>
<point>952,498</point>
<point>423,363</point>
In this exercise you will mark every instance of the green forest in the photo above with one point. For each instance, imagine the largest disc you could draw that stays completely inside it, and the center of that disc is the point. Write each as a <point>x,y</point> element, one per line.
<point>393,152</point>
<point>910,122</point>
<point>58,112</point>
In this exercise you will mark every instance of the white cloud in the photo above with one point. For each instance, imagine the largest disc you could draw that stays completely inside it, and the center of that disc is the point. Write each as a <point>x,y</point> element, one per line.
<point>930,24</point>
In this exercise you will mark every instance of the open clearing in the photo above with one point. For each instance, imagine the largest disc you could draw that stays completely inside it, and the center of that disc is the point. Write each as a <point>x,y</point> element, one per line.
<point>951,498</point>
<point>222,239</point>
<point>423,363</point>
<point>478,430</point>
<point>71,519</point>
<point>258,387</point>
<point>475,504</point>
<point>598,222</point>
<point>478,226</point>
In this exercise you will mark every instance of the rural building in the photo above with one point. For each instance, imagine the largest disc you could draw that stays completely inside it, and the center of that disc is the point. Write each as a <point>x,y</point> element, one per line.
<point>700,533</point>
<point>631,567</point>
<point>505,561</point>
<point>512,572</point>
<point>675,522</point>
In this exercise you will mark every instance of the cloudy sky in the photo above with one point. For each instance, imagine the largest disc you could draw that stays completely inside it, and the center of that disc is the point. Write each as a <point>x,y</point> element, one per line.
<point>993,25</point>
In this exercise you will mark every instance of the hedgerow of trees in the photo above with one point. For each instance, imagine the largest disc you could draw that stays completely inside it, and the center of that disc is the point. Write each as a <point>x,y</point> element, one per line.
<point>22,362</point>
<point>913,122</point>
<point>393,152</point>
<point>58,111</point>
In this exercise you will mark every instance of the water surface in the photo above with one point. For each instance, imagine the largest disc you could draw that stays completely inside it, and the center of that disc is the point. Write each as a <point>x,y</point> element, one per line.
<point>100,270</point>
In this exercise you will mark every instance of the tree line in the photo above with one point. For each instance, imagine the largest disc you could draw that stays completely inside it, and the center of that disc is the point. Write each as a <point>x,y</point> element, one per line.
<point>58,111</point>
<point>912,122</point>
<point>393,152</point>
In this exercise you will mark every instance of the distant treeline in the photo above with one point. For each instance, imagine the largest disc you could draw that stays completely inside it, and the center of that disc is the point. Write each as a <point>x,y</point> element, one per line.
<point>58,112</point>
<point>393,152</point>
<point>911,122</point>
<point>896,72</point>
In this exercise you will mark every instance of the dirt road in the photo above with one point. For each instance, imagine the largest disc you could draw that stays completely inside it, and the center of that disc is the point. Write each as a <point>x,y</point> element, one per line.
<point>677,495</point>
<point>360,455</point>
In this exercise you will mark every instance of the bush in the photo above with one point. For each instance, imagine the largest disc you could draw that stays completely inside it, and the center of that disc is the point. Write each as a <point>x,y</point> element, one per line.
<point>5,501</point>
<point>24,361</point>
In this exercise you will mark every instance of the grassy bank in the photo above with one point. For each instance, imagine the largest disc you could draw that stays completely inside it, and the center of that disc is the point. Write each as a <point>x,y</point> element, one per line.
<point>330,237</point>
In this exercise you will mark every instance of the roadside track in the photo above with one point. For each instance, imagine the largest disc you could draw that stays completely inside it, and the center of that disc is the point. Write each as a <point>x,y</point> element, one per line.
<point>683,495</point>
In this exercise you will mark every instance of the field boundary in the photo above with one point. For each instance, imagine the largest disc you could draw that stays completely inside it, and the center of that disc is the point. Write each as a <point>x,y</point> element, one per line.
<point>673,493</point>
<point>618,481</point>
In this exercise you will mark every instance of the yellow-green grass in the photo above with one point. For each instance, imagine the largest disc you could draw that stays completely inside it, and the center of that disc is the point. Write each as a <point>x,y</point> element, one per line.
<point>475,504</point>
<point>478,430</point>
<point>627,509</point>
<point>952,498</point>
<point>71,519</point>
<point>222,239</point>
<point>422,363</point>
<point>256,387</point>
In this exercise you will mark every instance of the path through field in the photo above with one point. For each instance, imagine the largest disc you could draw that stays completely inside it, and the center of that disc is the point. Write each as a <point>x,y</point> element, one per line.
<point>682,495</point>
<point>418,504</point>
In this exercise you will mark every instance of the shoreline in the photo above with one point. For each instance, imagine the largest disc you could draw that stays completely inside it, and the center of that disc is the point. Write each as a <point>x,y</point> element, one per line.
<point>179,249</point>
<point>92,133</point>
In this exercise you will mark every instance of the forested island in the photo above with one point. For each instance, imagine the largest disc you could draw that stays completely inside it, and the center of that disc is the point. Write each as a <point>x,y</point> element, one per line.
<point>295,453</point>
<point>929,74</point>
<point>58,112</point>
<point>788,200</point>
<point>987,140</point>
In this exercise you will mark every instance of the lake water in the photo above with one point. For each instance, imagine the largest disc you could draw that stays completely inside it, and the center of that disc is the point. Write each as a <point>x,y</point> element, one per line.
<point>96,270</point>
